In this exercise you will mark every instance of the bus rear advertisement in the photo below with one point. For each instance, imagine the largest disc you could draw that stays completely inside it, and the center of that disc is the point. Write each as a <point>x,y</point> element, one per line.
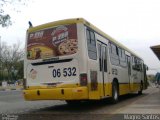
<point>52,42</point>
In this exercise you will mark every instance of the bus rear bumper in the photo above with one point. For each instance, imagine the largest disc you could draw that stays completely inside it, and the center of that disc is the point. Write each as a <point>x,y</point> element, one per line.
<point>78,93</point>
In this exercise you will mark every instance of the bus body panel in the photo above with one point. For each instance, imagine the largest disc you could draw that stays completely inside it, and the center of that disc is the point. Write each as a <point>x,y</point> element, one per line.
<point>70,93</point>
<point>61,78</point>
<point>52,77</point>
<point>53,74</point>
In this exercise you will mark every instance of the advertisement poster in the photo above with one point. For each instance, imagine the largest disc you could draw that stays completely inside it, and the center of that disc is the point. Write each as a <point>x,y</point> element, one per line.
<point>57,41</point>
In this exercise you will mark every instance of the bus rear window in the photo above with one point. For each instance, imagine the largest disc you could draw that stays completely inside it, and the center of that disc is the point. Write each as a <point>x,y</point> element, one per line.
<point>52,42</point>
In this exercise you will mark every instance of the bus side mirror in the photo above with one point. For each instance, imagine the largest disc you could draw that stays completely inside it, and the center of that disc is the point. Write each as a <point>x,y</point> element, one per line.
<point>147,68</point>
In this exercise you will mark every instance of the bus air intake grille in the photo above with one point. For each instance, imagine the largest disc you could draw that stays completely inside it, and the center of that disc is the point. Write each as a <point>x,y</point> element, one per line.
<point>51,62</point>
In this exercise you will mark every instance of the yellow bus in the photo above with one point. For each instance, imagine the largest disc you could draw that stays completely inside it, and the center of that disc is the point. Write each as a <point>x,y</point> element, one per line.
<point>73,60</point>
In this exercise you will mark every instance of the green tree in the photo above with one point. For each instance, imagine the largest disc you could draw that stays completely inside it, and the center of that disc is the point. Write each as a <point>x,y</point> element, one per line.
<point>10,59</point>
<point>19,69</point>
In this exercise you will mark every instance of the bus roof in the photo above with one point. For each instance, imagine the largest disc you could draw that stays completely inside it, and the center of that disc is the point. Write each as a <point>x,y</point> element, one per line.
<point>79,20</point>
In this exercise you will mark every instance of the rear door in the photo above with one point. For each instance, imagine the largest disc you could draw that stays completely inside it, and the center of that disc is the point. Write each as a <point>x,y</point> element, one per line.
<point>103,74</point>
<point>129,71</point>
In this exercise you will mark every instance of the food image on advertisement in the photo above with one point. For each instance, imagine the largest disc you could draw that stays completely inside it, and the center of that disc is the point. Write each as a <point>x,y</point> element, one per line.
<point>38,52</point>
<point>68,47</point>
<point>52,42</point>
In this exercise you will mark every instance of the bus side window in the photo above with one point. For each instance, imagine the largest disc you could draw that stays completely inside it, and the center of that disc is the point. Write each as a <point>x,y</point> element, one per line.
<point>114,54</point>
<point>122,58</point>
<point>91,43</point>
<point>137,65</point>
<point>99,53</point>
<point>88,36</point>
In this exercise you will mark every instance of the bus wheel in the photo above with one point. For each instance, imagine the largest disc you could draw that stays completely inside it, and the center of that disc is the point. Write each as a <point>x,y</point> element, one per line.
<point>72,102</point>
<point>115,92</point>
<point>141,89</point>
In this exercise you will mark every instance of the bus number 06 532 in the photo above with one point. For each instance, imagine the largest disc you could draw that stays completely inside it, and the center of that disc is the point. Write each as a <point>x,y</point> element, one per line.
<point>64,72</point>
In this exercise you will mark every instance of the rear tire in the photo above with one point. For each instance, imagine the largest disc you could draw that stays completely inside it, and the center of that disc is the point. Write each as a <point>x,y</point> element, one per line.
<point>115,92</point>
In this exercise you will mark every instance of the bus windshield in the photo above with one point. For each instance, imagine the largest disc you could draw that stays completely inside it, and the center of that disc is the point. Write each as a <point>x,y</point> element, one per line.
<point>52,42</point>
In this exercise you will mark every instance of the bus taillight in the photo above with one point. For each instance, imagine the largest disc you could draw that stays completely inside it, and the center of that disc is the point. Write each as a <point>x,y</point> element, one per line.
<point>83,79</point>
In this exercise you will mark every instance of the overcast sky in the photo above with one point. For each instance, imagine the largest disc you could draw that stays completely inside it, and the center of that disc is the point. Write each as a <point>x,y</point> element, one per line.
<point>134,23</point>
